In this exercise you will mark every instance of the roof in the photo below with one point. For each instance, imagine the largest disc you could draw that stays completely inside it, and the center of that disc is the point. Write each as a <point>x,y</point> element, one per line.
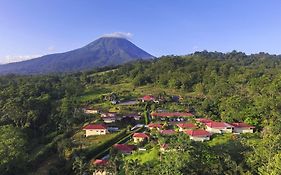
<point>168,132</point>
<point>154,125</point>
<point>124,148</point>
<point>171,114</point>
<point>198,133</point>
<point>94,126</point>
<point>242,125</point>
<point>100,162</point>
<point>148,98</point>
<point>203,120</point>
<point>218,125</point>
<point>186,125</point>
<point>140,135</point>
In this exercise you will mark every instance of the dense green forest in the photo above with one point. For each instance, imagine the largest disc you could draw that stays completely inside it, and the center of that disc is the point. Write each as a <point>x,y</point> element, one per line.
<point>38,114</point>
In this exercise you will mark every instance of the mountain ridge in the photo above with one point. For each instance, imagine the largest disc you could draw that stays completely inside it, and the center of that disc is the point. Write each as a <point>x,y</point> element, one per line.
<point>105,51</point>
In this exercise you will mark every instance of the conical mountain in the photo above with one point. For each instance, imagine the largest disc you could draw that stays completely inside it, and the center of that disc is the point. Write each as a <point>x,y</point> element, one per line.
<point>105,51</point>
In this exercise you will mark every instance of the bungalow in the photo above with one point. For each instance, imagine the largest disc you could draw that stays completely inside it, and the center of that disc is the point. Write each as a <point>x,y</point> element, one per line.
<point>154,126</point>
<point>219,127</point>
<point>90,111</point>
<point>147,98</point>
<point>99,163</point>
<point>124,148</point>
<point>203,120</point>
<point>171,114</point>
<point>134,116</point>
<point>242,128</point>
<point>198,135</point>
<point>140,137</point>
<point>95,129</point>
<point>168,132</point>
<point>185,126</point>
<point>109,114</point>
<point>109,119</point>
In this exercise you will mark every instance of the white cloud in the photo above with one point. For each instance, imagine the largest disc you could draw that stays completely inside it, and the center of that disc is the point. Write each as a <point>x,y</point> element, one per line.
<point>119,35</point>
<point>16,58</point>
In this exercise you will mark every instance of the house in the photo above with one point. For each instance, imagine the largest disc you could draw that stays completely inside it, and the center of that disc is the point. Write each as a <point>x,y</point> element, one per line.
<point>109,114</point>
<point>198,135</point>
<point>134,116</point>
<point>109,119</point>
<point>95,129</point>
<point>186,126</point>
<point>154,126</point>
<point>203,120</point>
<point>147,98</point>
<point>90,111</point>
<point>168,132</point>
<point>99,164</point>
<point>140,137</point>
<point>242,128</point>
<point>219,127</point>
<point>170,114</point>
<point>124,148</point>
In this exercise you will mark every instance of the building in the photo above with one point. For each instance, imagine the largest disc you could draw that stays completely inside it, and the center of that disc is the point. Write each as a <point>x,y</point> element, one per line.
<point>186,126</point>
<point>168,132</point>
<point>95,129</point>
<point>242,128</point>
<point>109,114</point>
<point>134,116</point>
<point>203,120</point>
<point>198,135</point>
<point>219,127</point>
<point>171,114</point>
<point>124,148</point>
<point>140,137</point>
<point>109,119</point>
<point>99,164</point>
<point>154,126</point>
<point>90,111</point>
<point>148,98</point>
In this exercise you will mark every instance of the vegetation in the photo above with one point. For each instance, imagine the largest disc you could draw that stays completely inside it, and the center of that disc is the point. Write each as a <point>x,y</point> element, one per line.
<point>39,115</point>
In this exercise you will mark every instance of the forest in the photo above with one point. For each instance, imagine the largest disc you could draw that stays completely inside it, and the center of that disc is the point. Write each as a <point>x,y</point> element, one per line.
<point>39,114</point>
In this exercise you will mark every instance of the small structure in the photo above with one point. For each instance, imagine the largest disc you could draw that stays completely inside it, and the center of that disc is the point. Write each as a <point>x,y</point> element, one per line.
<point>154,126</point>
<point>186,126</point>
<point>168,132</point>
<point>95,129</point>
<point>242,128</point>
<point>109,114</point>
<point>99,170</point>
<point>134,116</point>
<point>140,137</point>
<point>219,127</point>
<point>124,148</point>
<point>171,114</point>
<point>90,110</point>
<point>109,119</point>
<point>198,135</point>
<point>147,98</point>
<point>203,120</point>
<point>100,162</point>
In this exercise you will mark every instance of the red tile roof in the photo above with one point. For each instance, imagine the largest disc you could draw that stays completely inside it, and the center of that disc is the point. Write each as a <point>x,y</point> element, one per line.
<point>148,98</point>
<point>172,114</point>
<point>218,125</point>
<point>95,126</point>
<point>203,120</point>
<point>124,148</point>
<point>186,125</point>
<point>168,132</point>
<point>154,125</point>
<point>242,125</point>
<point>198,133</point>
<point>140,135</point>
<point>100,162</point>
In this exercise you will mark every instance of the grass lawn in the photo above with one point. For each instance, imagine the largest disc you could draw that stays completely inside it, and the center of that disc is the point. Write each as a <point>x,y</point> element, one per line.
<point>220,139</point>
<point>147,156</point>
<point>92,140</point>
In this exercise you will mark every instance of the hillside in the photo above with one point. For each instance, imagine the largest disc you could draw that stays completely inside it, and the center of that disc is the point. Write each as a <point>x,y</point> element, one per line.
<point>105,51</point>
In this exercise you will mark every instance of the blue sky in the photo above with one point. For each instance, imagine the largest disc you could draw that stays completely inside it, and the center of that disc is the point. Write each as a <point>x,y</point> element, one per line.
<point>31,28</point>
